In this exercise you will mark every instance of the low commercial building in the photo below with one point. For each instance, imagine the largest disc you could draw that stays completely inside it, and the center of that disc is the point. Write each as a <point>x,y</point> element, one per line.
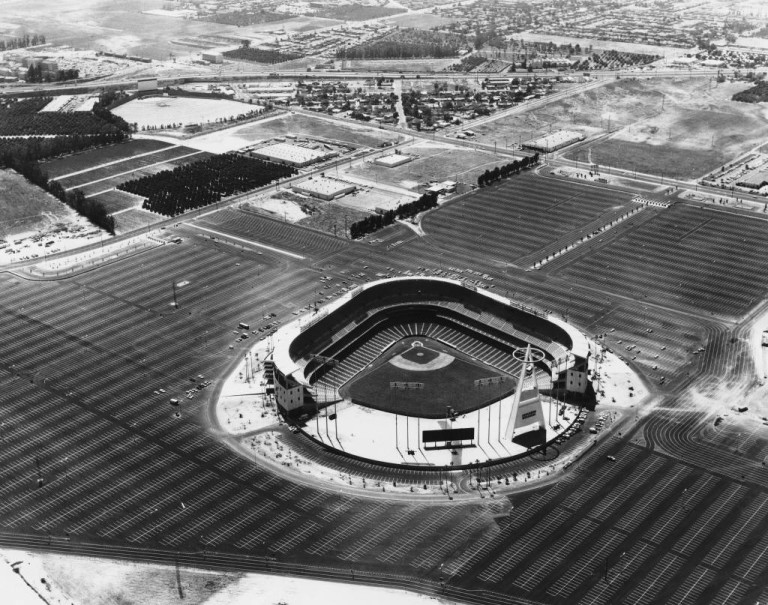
<point>396,159</point>
<point>292,155</point>
<point>556,140</point>
<point>213,57</point>
<point>324,188</point>
<point>147,84</point>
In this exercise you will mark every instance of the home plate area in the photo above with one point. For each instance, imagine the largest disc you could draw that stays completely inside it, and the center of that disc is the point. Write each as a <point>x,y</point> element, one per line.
<point>424,377</point>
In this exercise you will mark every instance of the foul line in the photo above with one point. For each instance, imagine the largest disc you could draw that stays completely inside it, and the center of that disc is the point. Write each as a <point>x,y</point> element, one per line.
<point>252,243</point>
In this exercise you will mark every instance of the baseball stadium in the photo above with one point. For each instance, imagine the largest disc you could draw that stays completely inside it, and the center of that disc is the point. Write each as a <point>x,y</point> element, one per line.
<point>429,372</point>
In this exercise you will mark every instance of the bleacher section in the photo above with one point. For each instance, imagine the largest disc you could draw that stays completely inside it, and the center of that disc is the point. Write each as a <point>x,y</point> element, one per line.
<point>329,335</point>
<point>447,323</point>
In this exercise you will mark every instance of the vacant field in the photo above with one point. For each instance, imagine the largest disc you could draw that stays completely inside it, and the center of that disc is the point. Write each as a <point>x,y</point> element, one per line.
<point>135,219</point>
<point>156,111</point>
<point>401,64</point>
<point>664,162</point>
<point>691,126</point>
<point>86,160</point>
<point>420,20</point>
<point>25,207</point>
<point>116,200</point>
<point>435,162</point>
<point>330,217</point>
<point>298,124</point>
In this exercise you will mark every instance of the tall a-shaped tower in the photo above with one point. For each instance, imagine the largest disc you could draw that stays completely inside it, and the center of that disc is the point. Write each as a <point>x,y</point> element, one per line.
<point>527,411</point>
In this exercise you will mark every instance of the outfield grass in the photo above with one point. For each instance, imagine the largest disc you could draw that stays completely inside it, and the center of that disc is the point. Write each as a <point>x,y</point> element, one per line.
<point>452,385</point>
<point>95,157</point>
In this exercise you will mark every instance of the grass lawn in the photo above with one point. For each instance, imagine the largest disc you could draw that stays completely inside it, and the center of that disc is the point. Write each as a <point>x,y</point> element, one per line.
<point>452,385</point>
<point>25,207</point>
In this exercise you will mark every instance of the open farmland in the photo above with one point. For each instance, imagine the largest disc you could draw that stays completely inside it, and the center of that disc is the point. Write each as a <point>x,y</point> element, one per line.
<point>25,207</point>
<point>298,124</point>
<point>435,162</point>
<point>86,160</point>
<point>127,166</point>
<point>156,111</point>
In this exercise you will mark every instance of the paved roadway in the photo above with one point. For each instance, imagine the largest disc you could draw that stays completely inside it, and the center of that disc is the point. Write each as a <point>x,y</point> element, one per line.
<point>679,517</point>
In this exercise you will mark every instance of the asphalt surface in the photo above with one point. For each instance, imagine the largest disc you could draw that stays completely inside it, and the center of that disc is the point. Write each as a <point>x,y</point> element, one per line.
<point>93,460</point>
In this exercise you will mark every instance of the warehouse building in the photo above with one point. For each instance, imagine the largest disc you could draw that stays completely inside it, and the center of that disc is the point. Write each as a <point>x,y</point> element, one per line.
<point>324,188</point>
<point>293,155</point>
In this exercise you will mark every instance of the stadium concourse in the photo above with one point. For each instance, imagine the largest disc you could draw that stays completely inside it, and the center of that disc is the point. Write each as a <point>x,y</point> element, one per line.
<point>397,372</point>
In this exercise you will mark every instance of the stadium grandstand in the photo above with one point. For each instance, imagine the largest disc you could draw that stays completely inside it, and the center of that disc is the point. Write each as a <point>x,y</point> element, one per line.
<point>421,370</point>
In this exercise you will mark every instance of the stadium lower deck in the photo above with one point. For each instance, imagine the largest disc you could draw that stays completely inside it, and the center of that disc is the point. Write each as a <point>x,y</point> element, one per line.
<point>95,460</point>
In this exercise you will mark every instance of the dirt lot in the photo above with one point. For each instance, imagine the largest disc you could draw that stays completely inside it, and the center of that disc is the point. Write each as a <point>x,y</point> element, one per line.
<point>435,162</point>
<point>317,214</point>
<point>25,208</point>
<point>298,124</point>
<point>684,126</point>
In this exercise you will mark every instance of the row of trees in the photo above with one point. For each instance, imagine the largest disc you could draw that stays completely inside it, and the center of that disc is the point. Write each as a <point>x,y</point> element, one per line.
<point>24,118</point>
<point>22,42</point>
<point>199,184</point>
<point>406,44</point>
<point>260,55</point>
<point>375,222</point>
<point>757,94</point>
<point>73,133</point>
<point>35,73</point>
<point>507,170</point>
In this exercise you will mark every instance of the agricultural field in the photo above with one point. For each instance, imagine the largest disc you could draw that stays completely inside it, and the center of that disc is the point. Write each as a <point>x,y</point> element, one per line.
<point>199,184</point>
<point>435,162</point>
<point>161,159</point>
<point>298,124</point>
<point>685,127</point>
<point>407,43</point>
<point>26,208</point>
<point>85,160</point>
<point>154,112</point>
<point>260,55</point>
<point>24,117</point>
